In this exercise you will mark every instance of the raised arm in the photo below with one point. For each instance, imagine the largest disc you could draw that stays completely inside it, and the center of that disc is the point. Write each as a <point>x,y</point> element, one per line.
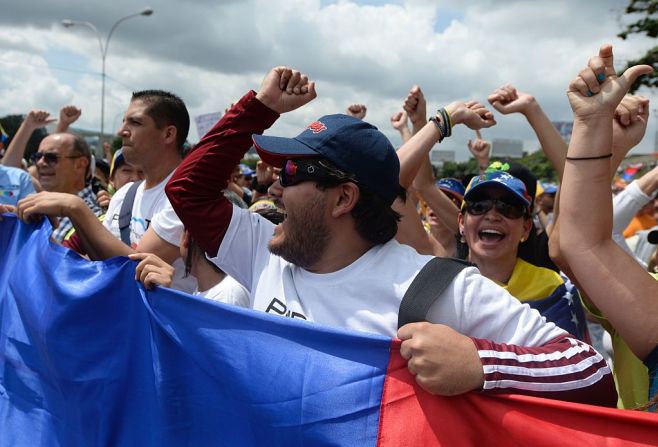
<point>619,287</point>
<point>508,99</point>
<point>399,121</point>
<point>34,120</point>
<point>481,151</point>
<point>414,154</point>
<point>67,116</point>
<point>628,128</point>
<point>195,189</point>
<point>416,108</point>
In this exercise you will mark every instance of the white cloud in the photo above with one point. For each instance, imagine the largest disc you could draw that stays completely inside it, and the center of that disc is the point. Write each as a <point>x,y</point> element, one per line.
<point>210,53</point>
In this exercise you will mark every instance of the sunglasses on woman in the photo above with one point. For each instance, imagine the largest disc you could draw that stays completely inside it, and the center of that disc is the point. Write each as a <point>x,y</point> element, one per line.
<point>50,158</point>
<point>295,171</point>
<point>504,208</point>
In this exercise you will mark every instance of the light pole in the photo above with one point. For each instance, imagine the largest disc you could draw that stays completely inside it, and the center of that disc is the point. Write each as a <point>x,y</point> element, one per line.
<point>69,23</point>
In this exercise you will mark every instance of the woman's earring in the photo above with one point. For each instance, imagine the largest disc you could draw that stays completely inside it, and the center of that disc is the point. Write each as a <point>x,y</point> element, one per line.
<point>461,238</point>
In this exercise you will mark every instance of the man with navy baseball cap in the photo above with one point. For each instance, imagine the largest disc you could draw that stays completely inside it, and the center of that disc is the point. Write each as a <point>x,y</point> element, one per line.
<point>349,143</point>
<point>334,259</point>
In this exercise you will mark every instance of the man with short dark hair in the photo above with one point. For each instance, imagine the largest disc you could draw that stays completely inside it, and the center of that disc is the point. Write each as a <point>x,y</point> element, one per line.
<point>334,261</point>
<point>154,129</point>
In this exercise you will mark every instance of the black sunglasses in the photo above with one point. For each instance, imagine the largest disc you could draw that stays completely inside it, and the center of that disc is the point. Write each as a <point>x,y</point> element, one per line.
<point>50,158</point>
<point>295,171</point>
<point>506,209</point>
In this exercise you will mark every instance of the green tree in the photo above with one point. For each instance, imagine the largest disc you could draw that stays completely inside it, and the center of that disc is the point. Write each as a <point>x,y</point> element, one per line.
<point>537,162</point>
<point>647,24</point>
<point>540,166</point>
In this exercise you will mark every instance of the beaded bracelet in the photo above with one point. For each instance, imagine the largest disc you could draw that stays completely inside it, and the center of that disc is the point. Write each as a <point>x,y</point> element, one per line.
<point>439,127</point>
<point>446,120</point>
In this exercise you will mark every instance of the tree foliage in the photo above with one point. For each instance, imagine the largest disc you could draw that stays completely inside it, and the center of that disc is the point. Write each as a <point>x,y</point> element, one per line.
<point>537,162</point>
<point>646,24</point>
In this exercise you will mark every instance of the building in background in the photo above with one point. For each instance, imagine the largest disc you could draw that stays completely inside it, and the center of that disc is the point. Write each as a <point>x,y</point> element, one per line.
<point>438,157</point>
<point>506,148</point>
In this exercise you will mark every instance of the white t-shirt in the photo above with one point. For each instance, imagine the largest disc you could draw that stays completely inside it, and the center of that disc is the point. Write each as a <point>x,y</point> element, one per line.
<point>151,207</point>
<point>366,294</point>
<point>227,291</point>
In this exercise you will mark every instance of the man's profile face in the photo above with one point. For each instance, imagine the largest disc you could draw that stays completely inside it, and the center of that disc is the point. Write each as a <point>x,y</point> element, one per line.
<point>141,139</point>
<point>59,169</point>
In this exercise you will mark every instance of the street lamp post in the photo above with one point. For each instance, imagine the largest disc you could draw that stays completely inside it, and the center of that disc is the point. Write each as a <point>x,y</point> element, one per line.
<point>69,23</point>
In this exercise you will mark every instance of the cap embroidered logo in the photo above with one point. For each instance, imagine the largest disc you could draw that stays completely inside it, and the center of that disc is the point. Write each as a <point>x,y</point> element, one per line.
<point>317,127</point>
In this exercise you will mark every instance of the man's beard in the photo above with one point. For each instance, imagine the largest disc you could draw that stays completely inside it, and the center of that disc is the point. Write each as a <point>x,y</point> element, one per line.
<point>305,237</point>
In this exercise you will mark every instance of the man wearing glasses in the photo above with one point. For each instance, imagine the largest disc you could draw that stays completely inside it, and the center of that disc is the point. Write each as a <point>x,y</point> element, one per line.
<point>62,163</point>
<point>154,130</point>
<point>334,259</point>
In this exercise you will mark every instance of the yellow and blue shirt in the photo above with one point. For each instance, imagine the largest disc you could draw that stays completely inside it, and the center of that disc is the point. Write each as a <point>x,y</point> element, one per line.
<point>553,295</point>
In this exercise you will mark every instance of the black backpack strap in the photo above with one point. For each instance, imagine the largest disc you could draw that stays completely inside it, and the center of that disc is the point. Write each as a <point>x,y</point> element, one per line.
<point>126,213</point>
<point>427,286</point>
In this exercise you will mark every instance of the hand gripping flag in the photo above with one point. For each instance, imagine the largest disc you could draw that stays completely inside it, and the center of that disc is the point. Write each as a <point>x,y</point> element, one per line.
<point>89,358</point>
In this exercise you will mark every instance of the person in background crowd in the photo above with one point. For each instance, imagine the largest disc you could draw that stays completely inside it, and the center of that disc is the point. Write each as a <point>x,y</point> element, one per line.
<point>121,173</point>
<point>15,184</point>
<point>153,132</point>
<point>63,161</point>
<point>643,220</point>
<point>544,202</point>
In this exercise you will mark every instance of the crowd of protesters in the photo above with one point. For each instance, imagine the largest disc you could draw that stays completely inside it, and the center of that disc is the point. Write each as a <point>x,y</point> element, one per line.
<point>333,226</point>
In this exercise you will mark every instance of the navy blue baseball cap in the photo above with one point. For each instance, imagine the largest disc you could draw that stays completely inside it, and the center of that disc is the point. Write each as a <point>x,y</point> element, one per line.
<point>353,145</point>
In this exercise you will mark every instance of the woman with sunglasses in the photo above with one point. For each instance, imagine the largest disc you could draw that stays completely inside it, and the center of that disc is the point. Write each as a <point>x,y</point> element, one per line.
<point>495,219</point>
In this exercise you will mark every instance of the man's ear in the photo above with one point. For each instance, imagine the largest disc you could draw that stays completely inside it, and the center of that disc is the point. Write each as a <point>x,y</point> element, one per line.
<point>345,199</point>
<point>82,164</point>
<point>170,134</point>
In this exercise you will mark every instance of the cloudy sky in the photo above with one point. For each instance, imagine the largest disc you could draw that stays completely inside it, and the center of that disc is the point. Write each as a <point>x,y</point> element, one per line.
<point>210,52</point>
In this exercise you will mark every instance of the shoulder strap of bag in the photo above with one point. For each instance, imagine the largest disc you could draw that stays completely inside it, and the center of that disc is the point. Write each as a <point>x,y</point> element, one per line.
<point>427,286</point>
<point>126,212</point>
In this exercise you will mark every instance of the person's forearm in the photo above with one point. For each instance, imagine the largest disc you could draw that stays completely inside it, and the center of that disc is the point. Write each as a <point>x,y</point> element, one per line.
<point>16,150</point>
<point>579,373</point>
<point>418,125</point>
<point>648,183</point>
<point>414,152</point>
<point>425,176</point>
<point>586,205</point>
<point>96,240</point>
<point>625,206</point>
<point>410,228</point>
<point>61,127</point>
<point>623,291</point>
<point>405,134</point>
<point>442,206</point>
<point>549,138</point>
<point>195,188</point>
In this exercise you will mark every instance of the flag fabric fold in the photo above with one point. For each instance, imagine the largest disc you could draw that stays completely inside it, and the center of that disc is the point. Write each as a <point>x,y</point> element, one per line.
<point>88,357</point>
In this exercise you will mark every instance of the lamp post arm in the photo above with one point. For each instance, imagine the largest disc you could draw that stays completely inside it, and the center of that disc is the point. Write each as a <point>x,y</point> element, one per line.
<point>109,35</point>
